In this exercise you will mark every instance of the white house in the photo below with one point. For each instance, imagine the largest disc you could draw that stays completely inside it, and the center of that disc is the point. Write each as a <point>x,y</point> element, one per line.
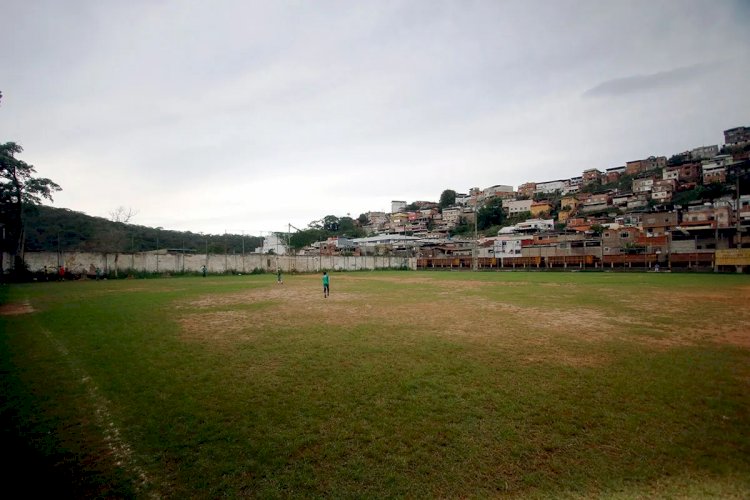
<point>529,225</point>
<point>273,242</point>
<point>397,206</point>
<point>514,207</point>
<point>508,246</point>
<point>549,187</point>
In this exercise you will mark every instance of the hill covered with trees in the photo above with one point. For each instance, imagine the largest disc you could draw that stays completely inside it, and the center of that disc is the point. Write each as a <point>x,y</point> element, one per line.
<point>60,229</point>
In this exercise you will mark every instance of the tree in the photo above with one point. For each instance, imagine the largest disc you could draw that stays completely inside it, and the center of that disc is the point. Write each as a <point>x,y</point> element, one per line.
<point>306,237</point>
<point>331,223</point>
<point>122,214</point>
<point>447,198</point>
<point>18,187</point>
<point>491,214</point>
<point>463,227</point>
<point>363,220</point>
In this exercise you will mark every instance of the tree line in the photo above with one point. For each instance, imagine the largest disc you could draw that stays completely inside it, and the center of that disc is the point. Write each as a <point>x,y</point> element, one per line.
<point>52,229</point>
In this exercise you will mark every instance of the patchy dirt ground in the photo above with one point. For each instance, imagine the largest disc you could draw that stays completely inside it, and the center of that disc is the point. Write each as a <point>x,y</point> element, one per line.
<point>15,308</point>
<point>547,331</point>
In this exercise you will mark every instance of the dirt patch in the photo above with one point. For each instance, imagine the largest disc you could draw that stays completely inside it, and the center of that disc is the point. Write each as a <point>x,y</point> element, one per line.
<point>447,313</point>
<point>537,332</point>
<point>15,308</point>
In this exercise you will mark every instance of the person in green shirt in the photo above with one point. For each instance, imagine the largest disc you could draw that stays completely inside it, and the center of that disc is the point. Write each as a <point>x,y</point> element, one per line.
<point>326,287</point>
<point>278,276</point>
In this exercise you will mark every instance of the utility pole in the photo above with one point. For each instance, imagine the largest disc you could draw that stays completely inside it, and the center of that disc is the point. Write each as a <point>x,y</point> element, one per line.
<point>475,263</point>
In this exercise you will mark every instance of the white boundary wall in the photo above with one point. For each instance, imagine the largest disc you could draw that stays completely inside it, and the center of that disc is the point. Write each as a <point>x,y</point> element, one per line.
<point>86,263</point>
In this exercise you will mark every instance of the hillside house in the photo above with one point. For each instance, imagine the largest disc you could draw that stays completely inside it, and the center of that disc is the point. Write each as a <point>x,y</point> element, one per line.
<point>619,241</point>
<point>397,206</point>
<point>596,203</point>
<point>659,223</point>
<point>706,217</point>
<point>737,135</point>
<point>591,175</point>
<point>621,199</point>
<point>612,175</point>
<point>643,185</point>
<point>462,199</point>
<point>515,207</point>
<point>451,216</point>
<point>527,189</point>
<point>572,185</point>
<point>549,187</point>
<point>497,191</point>
<point>704,152</point>
<point>569,202</point>
<point>662,190</point>
<point>714,173</point>
<point>637,201</point>
<point>540,208</point>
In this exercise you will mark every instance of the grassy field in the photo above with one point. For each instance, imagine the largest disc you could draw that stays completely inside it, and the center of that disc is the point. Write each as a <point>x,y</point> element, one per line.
<point>401,384</point>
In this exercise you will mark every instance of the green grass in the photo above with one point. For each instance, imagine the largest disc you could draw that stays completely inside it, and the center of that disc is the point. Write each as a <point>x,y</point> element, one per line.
<point>399,385</point>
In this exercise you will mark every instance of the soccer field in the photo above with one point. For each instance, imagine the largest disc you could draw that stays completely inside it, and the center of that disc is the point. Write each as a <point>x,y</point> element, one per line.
<point>400,384</point>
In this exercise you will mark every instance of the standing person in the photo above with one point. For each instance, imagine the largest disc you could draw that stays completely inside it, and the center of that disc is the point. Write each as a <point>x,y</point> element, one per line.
<point>278,276</point>
<point>62,273</point>
<point>326,287</point>
<point>204,271</point>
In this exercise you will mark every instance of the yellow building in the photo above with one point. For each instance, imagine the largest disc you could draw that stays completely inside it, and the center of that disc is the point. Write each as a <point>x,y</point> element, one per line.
<point>540,207</point>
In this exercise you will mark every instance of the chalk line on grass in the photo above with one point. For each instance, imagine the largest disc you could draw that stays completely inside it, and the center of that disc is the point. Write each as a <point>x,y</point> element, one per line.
<point>121,450</point>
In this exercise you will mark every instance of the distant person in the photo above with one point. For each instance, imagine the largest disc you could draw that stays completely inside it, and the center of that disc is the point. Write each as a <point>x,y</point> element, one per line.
<point>98,274</point>
<point>204,271</point>
<point>326,285</point>
<point>278,276</point>
<point>61,273</point>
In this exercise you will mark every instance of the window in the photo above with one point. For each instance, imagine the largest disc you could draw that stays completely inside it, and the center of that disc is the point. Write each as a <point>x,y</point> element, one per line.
<point>624,235</point>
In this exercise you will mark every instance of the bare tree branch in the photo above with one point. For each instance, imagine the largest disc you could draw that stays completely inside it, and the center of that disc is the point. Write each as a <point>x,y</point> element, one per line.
<point>122,214</point>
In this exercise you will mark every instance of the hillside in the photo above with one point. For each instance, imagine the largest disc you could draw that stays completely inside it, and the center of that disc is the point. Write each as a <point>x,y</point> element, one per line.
<point>60,229</point>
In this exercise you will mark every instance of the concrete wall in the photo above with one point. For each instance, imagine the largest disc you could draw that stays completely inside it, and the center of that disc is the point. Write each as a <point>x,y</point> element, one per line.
<point>84,263</point>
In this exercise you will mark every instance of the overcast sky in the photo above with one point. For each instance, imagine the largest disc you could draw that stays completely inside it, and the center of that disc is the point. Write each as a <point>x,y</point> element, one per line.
<point>247,116</point>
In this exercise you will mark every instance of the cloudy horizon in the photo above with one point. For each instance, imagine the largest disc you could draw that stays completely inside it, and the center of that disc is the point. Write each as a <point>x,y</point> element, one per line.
<point>248,116</point>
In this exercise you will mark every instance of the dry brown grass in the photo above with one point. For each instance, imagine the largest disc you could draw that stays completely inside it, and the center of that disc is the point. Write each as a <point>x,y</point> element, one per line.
<point>452,313</point>
<point>15,308</point>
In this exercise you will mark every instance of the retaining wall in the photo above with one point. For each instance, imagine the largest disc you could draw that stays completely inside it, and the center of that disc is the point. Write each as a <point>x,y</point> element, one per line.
<point>164,262</point>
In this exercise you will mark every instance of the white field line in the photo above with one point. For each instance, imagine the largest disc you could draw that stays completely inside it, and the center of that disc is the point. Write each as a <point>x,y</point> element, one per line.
<point>121,450</point>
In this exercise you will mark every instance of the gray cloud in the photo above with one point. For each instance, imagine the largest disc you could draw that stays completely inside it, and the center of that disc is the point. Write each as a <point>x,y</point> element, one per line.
<point>654,81</point>
<point>258,114</point>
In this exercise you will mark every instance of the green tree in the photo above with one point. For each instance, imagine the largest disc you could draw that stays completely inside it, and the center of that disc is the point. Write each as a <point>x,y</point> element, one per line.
<point>18,188</point>
<point>306,237</point>
<point>447,198</point>
<point>331,223</point>
<point>491,214</point>
<point>463,227</point>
